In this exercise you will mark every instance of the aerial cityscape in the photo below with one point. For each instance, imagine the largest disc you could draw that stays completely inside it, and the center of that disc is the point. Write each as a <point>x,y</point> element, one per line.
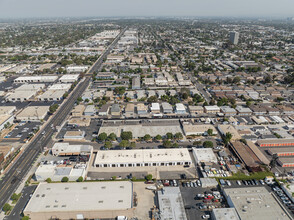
<point>146,117</point>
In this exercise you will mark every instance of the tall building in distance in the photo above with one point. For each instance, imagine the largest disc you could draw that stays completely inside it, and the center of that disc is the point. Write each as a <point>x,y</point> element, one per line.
<point>234,37</point>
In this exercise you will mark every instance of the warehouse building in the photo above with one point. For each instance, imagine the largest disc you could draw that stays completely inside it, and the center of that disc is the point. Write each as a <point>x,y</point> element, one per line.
<point>66,149</point>
<point>282,152</point>
<point>224,214</point>
<point>229,129</point>
<point>143,158</point>
<point>243,111</point>
<point>76,69</point>
<point>167,108</point>
<point>171,203</point>
<point>52,95</point>
<point>90,110</point>
<point>35,79</point>
<point>155,108</point>
<point>245,155</point>
<point>69,78</point>
<point>141,109</point>
<point>86,200</point>
<point>57,172</point>
<point>213,109</point>
<point>78,111</point>
<point>254,203</point>
<point>196,109</point>
<point>204,155</point>
<point>24,92</point>
<point>275,142</point>
<point>286,161</point>
<point>33,113</point>
<point>7,110</point>
<point>228,111</point>
<point>194,129</point>
<point>180,109</point>
<point>115,110</point>
<point>74,135</point>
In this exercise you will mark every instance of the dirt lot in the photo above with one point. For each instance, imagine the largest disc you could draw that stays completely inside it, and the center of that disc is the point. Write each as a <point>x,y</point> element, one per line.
<point>145,201</point>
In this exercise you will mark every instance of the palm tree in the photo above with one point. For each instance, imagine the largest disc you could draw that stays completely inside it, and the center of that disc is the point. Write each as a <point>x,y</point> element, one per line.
<point>273,161</point>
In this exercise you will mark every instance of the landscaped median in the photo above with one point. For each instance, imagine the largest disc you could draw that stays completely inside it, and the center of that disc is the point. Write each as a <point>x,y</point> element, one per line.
<point>242,176</point>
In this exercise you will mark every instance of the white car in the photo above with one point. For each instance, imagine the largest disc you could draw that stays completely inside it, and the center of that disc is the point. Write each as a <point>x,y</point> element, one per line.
<point>205,216</point>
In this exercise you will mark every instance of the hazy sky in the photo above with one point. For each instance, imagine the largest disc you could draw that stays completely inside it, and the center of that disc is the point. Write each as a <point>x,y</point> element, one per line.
<point>57,8</point>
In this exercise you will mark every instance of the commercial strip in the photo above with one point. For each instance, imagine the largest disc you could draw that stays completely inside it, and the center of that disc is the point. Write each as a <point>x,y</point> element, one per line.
<point>143,157</point>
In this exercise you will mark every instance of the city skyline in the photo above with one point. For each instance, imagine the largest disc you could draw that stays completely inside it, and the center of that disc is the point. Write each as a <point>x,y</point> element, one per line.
<point>90,8</point>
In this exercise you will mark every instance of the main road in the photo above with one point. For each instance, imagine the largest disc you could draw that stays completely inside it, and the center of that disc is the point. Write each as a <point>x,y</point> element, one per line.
<point>16,174</point>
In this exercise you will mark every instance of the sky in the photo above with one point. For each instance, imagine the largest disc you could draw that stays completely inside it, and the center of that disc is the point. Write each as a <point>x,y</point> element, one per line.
<point>110,8</point>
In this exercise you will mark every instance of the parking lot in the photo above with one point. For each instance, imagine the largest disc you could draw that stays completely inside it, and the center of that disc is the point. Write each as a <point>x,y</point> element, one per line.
<point>90,131</point>
<point>23,131</point>
<point>197,206</point>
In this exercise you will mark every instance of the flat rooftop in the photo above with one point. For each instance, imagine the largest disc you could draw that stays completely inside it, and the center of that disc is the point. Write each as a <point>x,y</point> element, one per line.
<point>255,203</point>
<point>171,204</point>
<point>143,156</point>
<point>86,196</point>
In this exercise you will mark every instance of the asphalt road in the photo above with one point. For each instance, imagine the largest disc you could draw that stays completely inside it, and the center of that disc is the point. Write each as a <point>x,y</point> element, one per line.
<point>18,171</point>
<point>24,199</point>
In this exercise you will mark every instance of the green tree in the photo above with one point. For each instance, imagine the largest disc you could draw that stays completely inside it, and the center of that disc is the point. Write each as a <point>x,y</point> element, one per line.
<point>102,136</point>
<point>126,135</point>
<point>6,207</point>
<point>15,197</point>
<point>147,137</point>
<point>248,103</point>
<point>79,99</point>
<point>197,143</point>
<point>227,138</point>
<point>175,145</point>
<point>167,144</point>
<point>152,99</point>
<point>132,145</point>
<point>48,180</point>
<point>124,143</point>
<point>53,108</point>
<point>210,132</point>
<point>169,136</point>
<point>149,177</point>
<point>64,179</point>
<point>178,136</point>
<point>158,137</point>
<point>273,161</point>
<point>112,136</point>
<point>208,144</point>
<point>108,145</point>
<point>80,179</point>
<point>25,218</point>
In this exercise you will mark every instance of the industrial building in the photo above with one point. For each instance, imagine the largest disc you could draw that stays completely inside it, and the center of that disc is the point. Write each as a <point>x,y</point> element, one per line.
<point>24,92</point>
<point>143,157</point>
<point>229,129</point>
<point>76,69</point>
<point>33,113</point>
<point>86,200</point>
<point>204,155</point>
<point>57,172</point>
<point>74,135</point>
<point>254,203</point>
<point>66,149</point>
<point>69,78</point>
<point>35,79</point>
<point>171,203</point>
<point>286,161</point>
<point>166,108</point>
<point>281,152</point>
<point>180,109</point>
<point>90,110</point>
<point>275,142</point>
<point>224,214</point>
<point>196,129</point>
<point>7,110</point>
<point>52,95</point>
<point>211,109</point>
